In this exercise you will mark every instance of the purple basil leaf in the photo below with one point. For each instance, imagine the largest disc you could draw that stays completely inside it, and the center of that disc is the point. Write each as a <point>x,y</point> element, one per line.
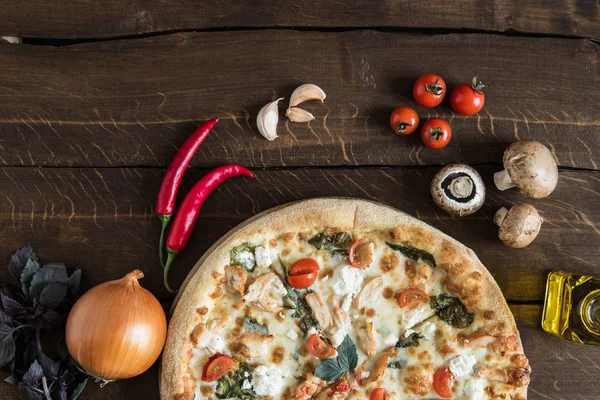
<point>50,368</point>
<point>47,274</point>
<point>7,344</point>
<point>34,375</point>
<point>79,389</point>
<point>19,259</point>
<point>31,268</point>
<point>33,394</point>
<point>51,316</point>
<point>5,318</point>
<point>62,392</point>
<point>11,307</point>
<point>12,379</point>
<point>74,284</point>
<point>53,294</point>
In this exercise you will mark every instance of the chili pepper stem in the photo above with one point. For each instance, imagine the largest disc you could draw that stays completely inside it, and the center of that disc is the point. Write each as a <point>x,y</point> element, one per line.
<point>165,218</point>
<point>171,255</point>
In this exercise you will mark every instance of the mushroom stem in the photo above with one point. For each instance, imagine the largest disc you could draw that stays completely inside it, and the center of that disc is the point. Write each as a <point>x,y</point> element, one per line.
<point>503,181</point>
<point>500,215</point>
<point>461,186</point>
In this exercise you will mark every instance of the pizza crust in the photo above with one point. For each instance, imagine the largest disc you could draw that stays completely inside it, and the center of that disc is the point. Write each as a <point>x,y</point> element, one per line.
<point>342,213</point>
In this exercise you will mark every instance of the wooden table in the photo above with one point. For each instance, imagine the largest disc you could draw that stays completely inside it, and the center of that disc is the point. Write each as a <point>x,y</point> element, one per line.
<point>94,104</point>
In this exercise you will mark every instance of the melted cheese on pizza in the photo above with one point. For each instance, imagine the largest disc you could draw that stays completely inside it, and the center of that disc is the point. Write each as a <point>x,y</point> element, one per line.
<point>399,349</point>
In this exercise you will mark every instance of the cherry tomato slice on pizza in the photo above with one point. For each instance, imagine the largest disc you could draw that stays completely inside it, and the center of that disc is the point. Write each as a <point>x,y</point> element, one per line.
<point>377,394</point>
<point>442,382</point>
<point>411,297</point>
<point>217,366</point>
<point>303,273</point>
<point>319,348</point>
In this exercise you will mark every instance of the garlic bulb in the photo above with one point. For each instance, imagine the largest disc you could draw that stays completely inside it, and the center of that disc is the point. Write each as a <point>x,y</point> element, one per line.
<point>307,92</point>
<point>267,120</point>
<point>297,114</point>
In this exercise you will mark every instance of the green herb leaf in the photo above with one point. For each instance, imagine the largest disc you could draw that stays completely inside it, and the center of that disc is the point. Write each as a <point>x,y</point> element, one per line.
<point>12,379</point>
<point>451,310</point>
<point>411,341</point>
<point>250,324</point>
<point>329,370</point>
<point>414,253</point>
<point>347,355</point>
<point>399,364</point>
<point>19,259</point>
<point>230,385</point>
<point>332,369</point>
<point>342,240</point>
<point>7,344</point>
<point>323,241</point>
<point>31,268</point>
<point>47,274</point>
<point>236,256</point>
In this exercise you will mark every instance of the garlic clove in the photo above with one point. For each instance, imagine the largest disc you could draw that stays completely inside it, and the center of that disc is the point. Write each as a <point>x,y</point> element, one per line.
<point>267,119</point>
<point>297,114</point>
<point>307,92</point>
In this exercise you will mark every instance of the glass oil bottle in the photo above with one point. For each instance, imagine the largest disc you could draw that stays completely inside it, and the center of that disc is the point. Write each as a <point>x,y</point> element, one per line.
<point>572,307</point>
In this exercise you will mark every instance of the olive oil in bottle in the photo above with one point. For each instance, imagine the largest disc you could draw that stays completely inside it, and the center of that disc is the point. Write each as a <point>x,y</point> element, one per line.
<point>572,307</point>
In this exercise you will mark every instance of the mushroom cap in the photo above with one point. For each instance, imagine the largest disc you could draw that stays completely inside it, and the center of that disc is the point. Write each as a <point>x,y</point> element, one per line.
<point>520,226</point>
<point>531,167</point>
<point>458,190</point>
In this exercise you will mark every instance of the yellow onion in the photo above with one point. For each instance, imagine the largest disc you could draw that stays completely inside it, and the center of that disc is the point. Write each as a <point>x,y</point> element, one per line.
<point>117,329</point>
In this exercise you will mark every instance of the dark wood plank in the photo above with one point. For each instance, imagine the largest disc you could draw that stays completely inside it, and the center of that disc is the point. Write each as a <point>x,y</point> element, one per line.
<point>102,219</point>
<point>560,369</point>
<point>91,19</point>
<point>130,103</point>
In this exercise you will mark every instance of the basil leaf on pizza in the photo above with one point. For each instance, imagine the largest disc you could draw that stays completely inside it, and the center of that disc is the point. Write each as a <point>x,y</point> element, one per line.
<point>286,313</point>
<point>332,369</point>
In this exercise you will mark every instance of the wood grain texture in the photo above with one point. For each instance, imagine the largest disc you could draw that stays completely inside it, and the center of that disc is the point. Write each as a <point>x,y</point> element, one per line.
<point>578,366</point>
<point>102,220</point>
<point>93,19</point>
<point>131,103</point>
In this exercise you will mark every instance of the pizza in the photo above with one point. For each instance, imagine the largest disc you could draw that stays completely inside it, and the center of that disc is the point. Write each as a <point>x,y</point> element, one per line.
<point>341,299</point>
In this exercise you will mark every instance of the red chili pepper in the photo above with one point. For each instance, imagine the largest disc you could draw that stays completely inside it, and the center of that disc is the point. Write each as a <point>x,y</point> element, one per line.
<point>165,204</point>
<point>186,217</point>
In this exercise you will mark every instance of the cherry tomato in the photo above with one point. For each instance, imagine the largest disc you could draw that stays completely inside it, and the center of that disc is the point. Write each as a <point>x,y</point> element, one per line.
<point>468,98</point>
<point>411,297</point>
<point>377,394</point>
<point>404,120</point>
<point>429,90</point>
<point>442,382</point>
<point>217,366</point>
<point>436,133</point>
<point>319,348</point>
<point>303,273</point>
<point>360,254</point>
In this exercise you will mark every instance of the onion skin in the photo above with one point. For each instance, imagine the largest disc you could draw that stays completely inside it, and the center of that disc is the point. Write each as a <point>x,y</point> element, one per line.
<point>117,329</point>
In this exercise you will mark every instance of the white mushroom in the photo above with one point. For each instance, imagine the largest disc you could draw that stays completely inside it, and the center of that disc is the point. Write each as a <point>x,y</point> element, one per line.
<point>458,190</point>
<point>519,226</point>
<point>528,165</point>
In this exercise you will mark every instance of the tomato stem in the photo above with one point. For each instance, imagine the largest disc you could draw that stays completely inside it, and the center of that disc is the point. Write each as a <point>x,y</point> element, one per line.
<point>477,85</point>
<point>402,126</point>
<point>434,88</point>
<point>436,133</point>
